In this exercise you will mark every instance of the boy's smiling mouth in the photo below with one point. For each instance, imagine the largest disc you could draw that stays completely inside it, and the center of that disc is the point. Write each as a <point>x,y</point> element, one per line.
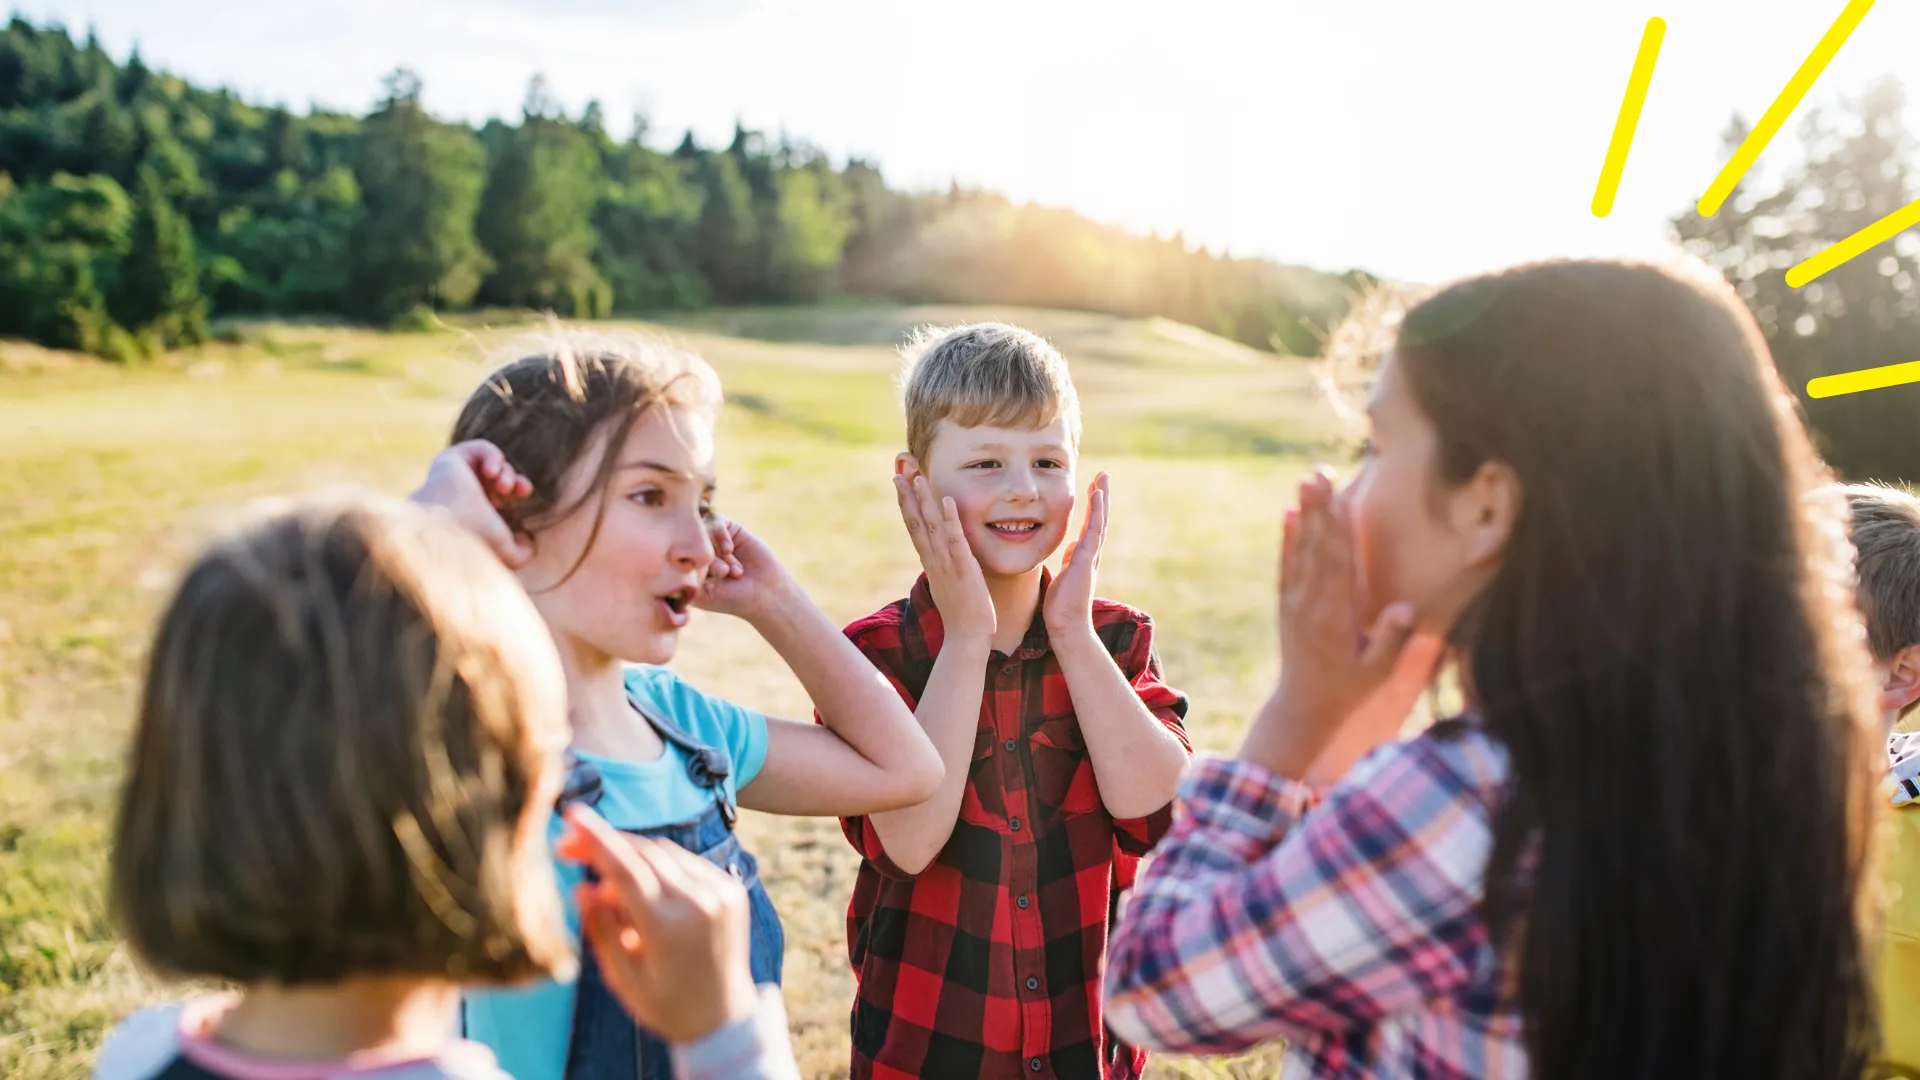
<point>1015,528</point>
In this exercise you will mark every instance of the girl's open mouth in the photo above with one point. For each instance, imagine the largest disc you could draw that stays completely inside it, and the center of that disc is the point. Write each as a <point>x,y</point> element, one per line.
<point>676,604</point>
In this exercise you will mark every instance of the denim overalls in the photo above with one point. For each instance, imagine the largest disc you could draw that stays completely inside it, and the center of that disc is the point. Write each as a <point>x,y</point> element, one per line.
<point>606,1043</point>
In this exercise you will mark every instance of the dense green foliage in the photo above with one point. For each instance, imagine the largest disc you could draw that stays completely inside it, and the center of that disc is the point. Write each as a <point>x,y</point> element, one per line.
<point>133,205</point>
<point>1856,166</point>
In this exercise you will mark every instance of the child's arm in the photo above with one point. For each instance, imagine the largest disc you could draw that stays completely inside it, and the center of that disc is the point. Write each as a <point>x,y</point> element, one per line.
<point>1255,918</point>
<point>868,753</point>
<point>949,707</point>
<point>1137,760</point>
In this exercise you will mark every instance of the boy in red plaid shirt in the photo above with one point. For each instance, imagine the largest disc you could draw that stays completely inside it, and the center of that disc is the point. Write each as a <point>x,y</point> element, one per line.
<point>978,927</point>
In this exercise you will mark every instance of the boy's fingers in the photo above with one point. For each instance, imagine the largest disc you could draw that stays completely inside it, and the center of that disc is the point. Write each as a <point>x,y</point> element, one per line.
<point>1097,522</point>
<point>916,525</point>
<point>930,510</point>
<point>1106,506</point>
<point>959,554</point>
<point>932,520</point>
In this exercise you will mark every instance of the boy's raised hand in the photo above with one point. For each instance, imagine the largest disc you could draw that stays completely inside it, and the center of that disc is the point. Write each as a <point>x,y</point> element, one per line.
<point>669,929</point>
<point>472,480</point>
<point>1069,603</point>
<point>959,588</point>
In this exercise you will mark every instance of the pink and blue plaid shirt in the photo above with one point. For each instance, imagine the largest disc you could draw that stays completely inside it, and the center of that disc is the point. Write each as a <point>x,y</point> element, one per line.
<point>1350,925</point>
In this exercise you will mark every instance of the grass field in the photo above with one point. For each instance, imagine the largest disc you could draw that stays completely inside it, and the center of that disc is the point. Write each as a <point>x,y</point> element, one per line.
<point>108,478</point>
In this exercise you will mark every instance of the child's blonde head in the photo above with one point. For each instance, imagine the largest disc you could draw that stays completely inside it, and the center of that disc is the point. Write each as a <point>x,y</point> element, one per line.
<point>984,374</point>
<point>349,732</point>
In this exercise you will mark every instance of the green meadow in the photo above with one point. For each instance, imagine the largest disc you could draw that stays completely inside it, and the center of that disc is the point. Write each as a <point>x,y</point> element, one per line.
<point>110,476</point>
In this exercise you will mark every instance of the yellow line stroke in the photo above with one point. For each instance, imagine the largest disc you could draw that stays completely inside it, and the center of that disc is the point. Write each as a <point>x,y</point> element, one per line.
<point>1853,382</point>
<point>1629,118</point>
<point>1782,107</point>
<point>1879,232</point>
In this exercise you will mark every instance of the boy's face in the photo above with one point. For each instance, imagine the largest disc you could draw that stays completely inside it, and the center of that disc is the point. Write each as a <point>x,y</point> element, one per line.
<point>1013,488</point>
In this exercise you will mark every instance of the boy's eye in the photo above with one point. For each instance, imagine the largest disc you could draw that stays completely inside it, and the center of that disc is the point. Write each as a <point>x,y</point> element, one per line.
<point>706,511</point>
<point>650,497</point>
<point>988,464</point>
<point>1048,463</point>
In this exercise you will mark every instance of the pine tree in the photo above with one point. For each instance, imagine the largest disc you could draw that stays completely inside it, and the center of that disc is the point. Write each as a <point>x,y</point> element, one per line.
<point>536,218</point>
<point>420,184</point>
<point>729,230</point>
<point>159,288</point>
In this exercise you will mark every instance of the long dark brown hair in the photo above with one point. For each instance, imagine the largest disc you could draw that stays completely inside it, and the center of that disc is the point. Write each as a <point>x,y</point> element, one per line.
<point>1670,655</point>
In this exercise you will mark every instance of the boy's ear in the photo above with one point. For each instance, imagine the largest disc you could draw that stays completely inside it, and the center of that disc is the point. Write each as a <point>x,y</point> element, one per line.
<point>1902,687</point>
<point>906,465</point>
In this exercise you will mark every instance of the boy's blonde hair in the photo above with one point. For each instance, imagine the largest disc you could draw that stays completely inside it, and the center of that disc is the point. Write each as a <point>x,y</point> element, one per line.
<point>350,711</point>
<point>1885,528</point>
<point>984,374</point>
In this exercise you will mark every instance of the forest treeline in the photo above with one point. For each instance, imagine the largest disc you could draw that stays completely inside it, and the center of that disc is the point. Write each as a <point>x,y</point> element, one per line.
<point>134,205</point>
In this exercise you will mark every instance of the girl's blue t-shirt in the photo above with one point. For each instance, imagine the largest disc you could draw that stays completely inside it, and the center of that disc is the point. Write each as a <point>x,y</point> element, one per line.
<point>529,1028</point>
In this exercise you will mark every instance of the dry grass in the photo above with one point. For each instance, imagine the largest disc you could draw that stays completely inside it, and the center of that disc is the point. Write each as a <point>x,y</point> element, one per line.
<point>108,478</point>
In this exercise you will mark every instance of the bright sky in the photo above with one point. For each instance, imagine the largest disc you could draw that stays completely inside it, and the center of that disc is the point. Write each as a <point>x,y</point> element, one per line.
<point>1413,138</point>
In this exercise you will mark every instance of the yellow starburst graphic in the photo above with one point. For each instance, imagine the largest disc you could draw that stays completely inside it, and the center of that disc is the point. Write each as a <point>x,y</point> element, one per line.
<point>1742,160</point>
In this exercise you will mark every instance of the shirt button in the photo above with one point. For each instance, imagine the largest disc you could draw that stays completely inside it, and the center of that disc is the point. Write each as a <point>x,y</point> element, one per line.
<point>1033,983</point>
<point>1015,824</point>
<point>1010,745</point>
<point>1034,1064</point>
<point>1022,901</point>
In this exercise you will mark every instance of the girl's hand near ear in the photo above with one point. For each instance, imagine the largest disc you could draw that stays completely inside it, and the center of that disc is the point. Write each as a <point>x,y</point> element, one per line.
<point>472,481</point>
<point>746,579</point>
<point>1334,672</point>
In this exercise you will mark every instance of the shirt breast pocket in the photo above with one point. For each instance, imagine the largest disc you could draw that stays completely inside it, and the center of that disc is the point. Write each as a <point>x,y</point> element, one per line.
<point>984,803</point>
<point>1063,780</point>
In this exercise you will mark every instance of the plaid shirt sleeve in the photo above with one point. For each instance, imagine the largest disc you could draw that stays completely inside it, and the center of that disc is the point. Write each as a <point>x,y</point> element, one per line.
<point>1141,664</point>
<point>1258,917</point>
<point>859,831</point>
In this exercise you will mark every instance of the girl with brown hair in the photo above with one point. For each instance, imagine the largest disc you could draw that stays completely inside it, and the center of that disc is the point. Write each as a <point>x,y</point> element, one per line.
<point>1638,852</point>
<point>589,467</point>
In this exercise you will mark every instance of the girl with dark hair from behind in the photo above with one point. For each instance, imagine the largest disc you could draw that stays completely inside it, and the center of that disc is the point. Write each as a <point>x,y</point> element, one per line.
<point>1639,850</point>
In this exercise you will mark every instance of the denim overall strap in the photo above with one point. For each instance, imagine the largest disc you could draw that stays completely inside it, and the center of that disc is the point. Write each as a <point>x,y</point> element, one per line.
<point>606,1044</point>
<point>707,766</point>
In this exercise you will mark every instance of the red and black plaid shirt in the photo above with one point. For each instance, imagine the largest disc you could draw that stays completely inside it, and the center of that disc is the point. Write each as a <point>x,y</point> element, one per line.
<point>988,962</point>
